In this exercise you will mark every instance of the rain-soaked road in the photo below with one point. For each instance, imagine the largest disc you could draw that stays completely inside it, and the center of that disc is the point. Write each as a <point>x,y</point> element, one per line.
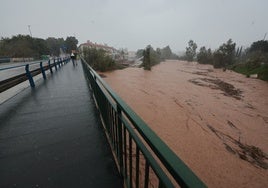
<point>51,136</point>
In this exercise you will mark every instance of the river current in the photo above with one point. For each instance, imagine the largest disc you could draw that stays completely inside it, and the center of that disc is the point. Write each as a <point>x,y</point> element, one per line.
<point>216,121</point>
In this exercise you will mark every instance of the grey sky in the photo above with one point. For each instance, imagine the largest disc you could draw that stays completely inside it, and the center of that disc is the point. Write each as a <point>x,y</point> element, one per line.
<point>137,23</point>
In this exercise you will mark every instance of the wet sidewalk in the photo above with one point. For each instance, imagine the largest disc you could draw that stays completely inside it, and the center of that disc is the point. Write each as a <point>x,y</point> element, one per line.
<point>51,136</point>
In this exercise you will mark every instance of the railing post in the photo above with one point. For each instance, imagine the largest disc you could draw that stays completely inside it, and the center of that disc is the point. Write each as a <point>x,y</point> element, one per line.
<point>50,68</point>
<point>59,62</point>
<point>29,76</point>
<point>55,64</point>
<point>120,142</point>
<point>43,71</point>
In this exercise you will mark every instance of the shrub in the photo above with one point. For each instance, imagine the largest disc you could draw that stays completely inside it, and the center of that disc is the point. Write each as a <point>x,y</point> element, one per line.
<point>205,56</point>
<point>150,58</point>
<point>263,73</point>
<point>99,59</point>
<point>225,55</point>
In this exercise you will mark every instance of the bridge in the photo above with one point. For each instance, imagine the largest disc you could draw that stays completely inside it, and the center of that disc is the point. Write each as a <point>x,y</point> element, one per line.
<point>69,129</point>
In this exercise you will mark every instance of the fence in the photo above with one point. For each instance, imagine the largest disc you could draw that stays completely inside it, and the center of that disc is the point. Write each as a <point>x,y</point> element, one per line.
<point>143,159</point>
<point>5,59</point>
<point>28,75</point>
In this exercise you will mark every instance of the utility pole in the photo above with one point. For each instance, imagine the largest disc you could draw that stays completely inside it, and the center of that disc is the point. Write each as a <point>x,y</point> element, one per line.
<point>29,27</point>
<point>264,36</point>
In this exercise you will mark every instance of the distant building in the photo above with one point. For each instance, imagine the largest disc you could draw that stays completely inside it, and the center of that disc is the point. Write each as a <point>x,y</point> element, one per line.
<point>131,55</point>
<point>110,50</point>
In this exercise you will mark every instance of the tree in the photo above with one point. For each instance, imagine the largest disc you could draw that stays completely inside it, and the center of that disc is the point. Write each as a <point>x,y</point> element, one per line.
<point>261,46</point>
<point>191,50</point>
<point>40,47</point>
<point>166,53</point>
<point>27,46</point>
<point>205,56</point>
<point>98,59</point>
<point>23,46</point>
<point>70,44</point>
<point>146,58</point>
<point>54,45</point>
<point>225,55</point>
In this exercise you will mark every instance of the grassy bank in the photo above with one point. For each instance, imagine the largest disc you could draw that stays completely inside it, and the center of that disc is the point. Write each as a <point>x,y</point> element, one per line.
<point>261,71</point>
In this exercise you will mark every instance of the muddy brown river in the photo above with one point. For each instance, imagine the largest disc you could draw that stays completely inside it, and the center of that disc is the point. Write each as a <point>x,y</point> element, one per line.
<point>215,121</point>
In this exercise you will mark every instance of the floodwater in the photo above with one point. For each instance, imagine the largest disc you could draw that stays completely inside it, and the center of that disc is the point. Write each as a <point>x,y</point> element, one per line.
<point>215,121</point>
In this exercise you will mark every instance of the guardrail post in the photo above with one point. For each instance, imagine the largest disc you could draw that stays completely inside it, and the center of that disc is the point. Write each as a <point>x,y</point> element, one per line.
<point>55,64</point>
<point>43,71</point>
<point>50,68</point>
<point>58,62</point>
<point>29,76</point>
<point>119,124</point>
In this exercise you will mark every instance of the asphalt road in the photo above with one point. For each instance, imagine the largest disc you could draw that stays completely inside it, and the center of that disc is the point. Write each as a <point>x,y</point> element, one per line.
<point>51,136</point>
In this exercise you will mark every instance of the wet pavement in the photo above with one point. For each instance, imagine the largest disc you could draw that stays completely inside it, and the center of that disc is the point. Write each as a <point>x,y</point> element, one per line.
<point>51,136</point>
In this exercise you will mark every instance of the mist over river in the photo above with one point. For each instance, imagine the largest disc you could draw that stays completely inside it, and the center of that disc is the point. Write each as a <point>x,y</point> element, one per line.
<point>215,121</point>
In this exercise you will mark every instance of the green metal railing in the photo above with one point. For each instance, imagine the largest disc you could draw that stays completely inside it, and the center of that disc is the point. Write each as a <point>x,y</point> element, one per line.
<point>143,159</point>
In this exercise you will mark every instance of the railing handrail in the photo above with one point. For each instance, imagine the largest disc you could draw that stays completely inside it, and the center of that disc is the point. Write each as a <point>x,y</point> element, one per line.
<point>25,63</point>
<point>176,167</point>
<point>17,79</point>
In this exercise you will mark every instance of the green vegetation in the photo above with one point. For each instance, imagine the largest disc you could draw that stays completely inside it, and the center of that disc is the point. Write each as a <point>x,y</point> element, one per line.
<point>166,53</point>
<point>70,44</point>
<point>191,50</point>
<point>253,60</point>
<point>27,46</point>
<point>225,55</point>
<point>152,57</point>
<point>205,56</point>
<point>261,71</point>
<point>99,60</point>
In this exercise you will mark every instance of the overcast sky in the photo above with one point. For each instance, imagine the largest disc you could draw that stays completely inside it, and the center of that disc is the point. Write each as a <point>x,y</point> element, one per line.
<point>134,24</point>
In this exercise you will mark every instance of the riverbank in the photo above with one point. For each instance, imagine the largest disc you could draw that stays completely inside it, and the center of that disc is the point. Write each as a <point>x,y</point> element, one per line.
<point>216,122</point>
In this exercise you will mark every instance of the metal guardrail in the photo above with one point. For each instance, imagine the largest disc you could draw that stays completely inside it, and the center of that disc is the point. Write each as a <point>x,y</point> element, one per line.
<point>4,59</point>
<point>143,159</point>
<point>28,75</point>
